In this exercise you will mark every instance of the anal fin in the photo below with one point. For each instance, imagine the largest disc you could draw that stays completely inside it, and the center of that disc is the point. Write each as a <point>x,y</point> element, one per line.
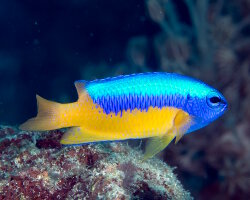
<point>78,135</point>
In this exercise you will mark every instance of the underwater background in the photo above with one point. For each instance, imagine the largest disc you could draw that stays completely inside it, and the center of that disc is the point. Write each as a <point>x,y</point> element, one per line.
<point>46,45</point>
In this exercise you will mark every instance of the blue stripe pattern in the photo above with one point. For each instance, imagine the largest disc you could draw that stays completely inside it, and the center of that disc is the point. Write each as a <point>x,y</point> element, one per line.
<point>115,104</point>
<point>141,91</point>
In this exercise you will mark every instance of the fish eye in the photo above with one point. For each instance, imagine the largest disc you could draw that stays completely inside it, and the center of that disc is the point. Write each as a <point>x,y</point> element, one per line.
<point>213,100</point>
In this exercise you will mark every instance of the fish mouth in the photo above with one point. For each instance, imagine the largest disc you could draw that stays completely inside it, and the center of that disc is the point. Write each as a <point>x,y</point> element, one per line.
<point>223,109</point>
<point>226,106</point>
<point>224,103</point>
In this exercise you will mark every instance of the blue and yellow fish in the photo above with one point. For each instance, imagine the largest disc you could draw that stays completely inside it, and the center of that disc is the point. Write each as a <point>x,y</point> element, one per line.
<point>159,106</point>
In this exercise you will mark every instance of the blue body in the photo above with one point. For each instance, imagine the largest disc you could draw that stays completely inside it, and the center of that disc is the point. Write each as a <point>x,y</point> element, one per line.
<point>140,91</point>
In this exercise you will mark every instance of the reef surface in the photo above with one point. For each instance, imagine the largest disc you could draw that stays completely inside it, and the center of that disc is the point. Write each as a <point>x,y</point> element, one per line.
<point>34,165</point>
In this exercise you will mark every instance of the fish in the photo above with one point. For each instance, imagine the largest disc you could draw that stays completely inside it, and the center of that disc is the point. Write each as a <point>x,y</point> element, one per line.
<point>159,106</point>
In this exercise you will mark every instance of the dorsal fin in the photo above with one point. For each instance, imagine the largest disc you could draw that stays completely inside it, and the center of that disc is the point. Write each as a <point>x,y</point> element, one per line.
<point>80,87</point>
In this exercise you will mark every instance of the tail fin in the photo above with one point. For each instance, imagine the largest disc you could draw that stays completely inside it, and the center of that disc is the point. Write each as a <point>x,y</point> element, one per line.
<point>48,116</point>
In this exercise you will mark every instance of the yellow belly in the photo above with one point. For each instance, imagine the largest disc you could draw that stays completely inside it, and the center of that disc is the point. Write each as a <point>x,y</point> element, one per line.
<point>131,124</point>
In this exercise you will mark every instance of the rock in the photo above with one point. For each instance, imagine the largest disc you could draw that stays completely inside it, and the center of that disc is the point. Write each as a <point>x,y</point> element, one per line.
<point>34,165</point>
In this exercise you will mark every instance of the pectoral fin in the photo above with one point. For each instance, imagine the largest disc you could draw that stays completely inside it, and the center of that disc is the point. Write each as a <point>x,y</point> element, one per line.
<point>182,122</point>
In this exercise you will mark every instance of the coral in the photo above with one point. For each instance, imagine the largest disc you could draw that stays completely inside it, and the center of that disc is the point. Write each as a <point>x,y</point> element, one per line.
<point>34,165</point>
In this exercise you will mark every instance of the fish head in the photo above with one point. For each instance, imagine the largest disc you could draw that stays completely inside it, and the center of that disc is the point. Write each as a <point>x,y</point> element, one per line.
<point>205,104</point>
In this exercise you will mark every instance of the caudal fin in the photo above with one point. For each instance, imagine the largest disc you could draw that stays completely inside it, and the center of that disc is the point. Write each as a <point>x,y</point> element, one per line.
<point>48,116</point>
